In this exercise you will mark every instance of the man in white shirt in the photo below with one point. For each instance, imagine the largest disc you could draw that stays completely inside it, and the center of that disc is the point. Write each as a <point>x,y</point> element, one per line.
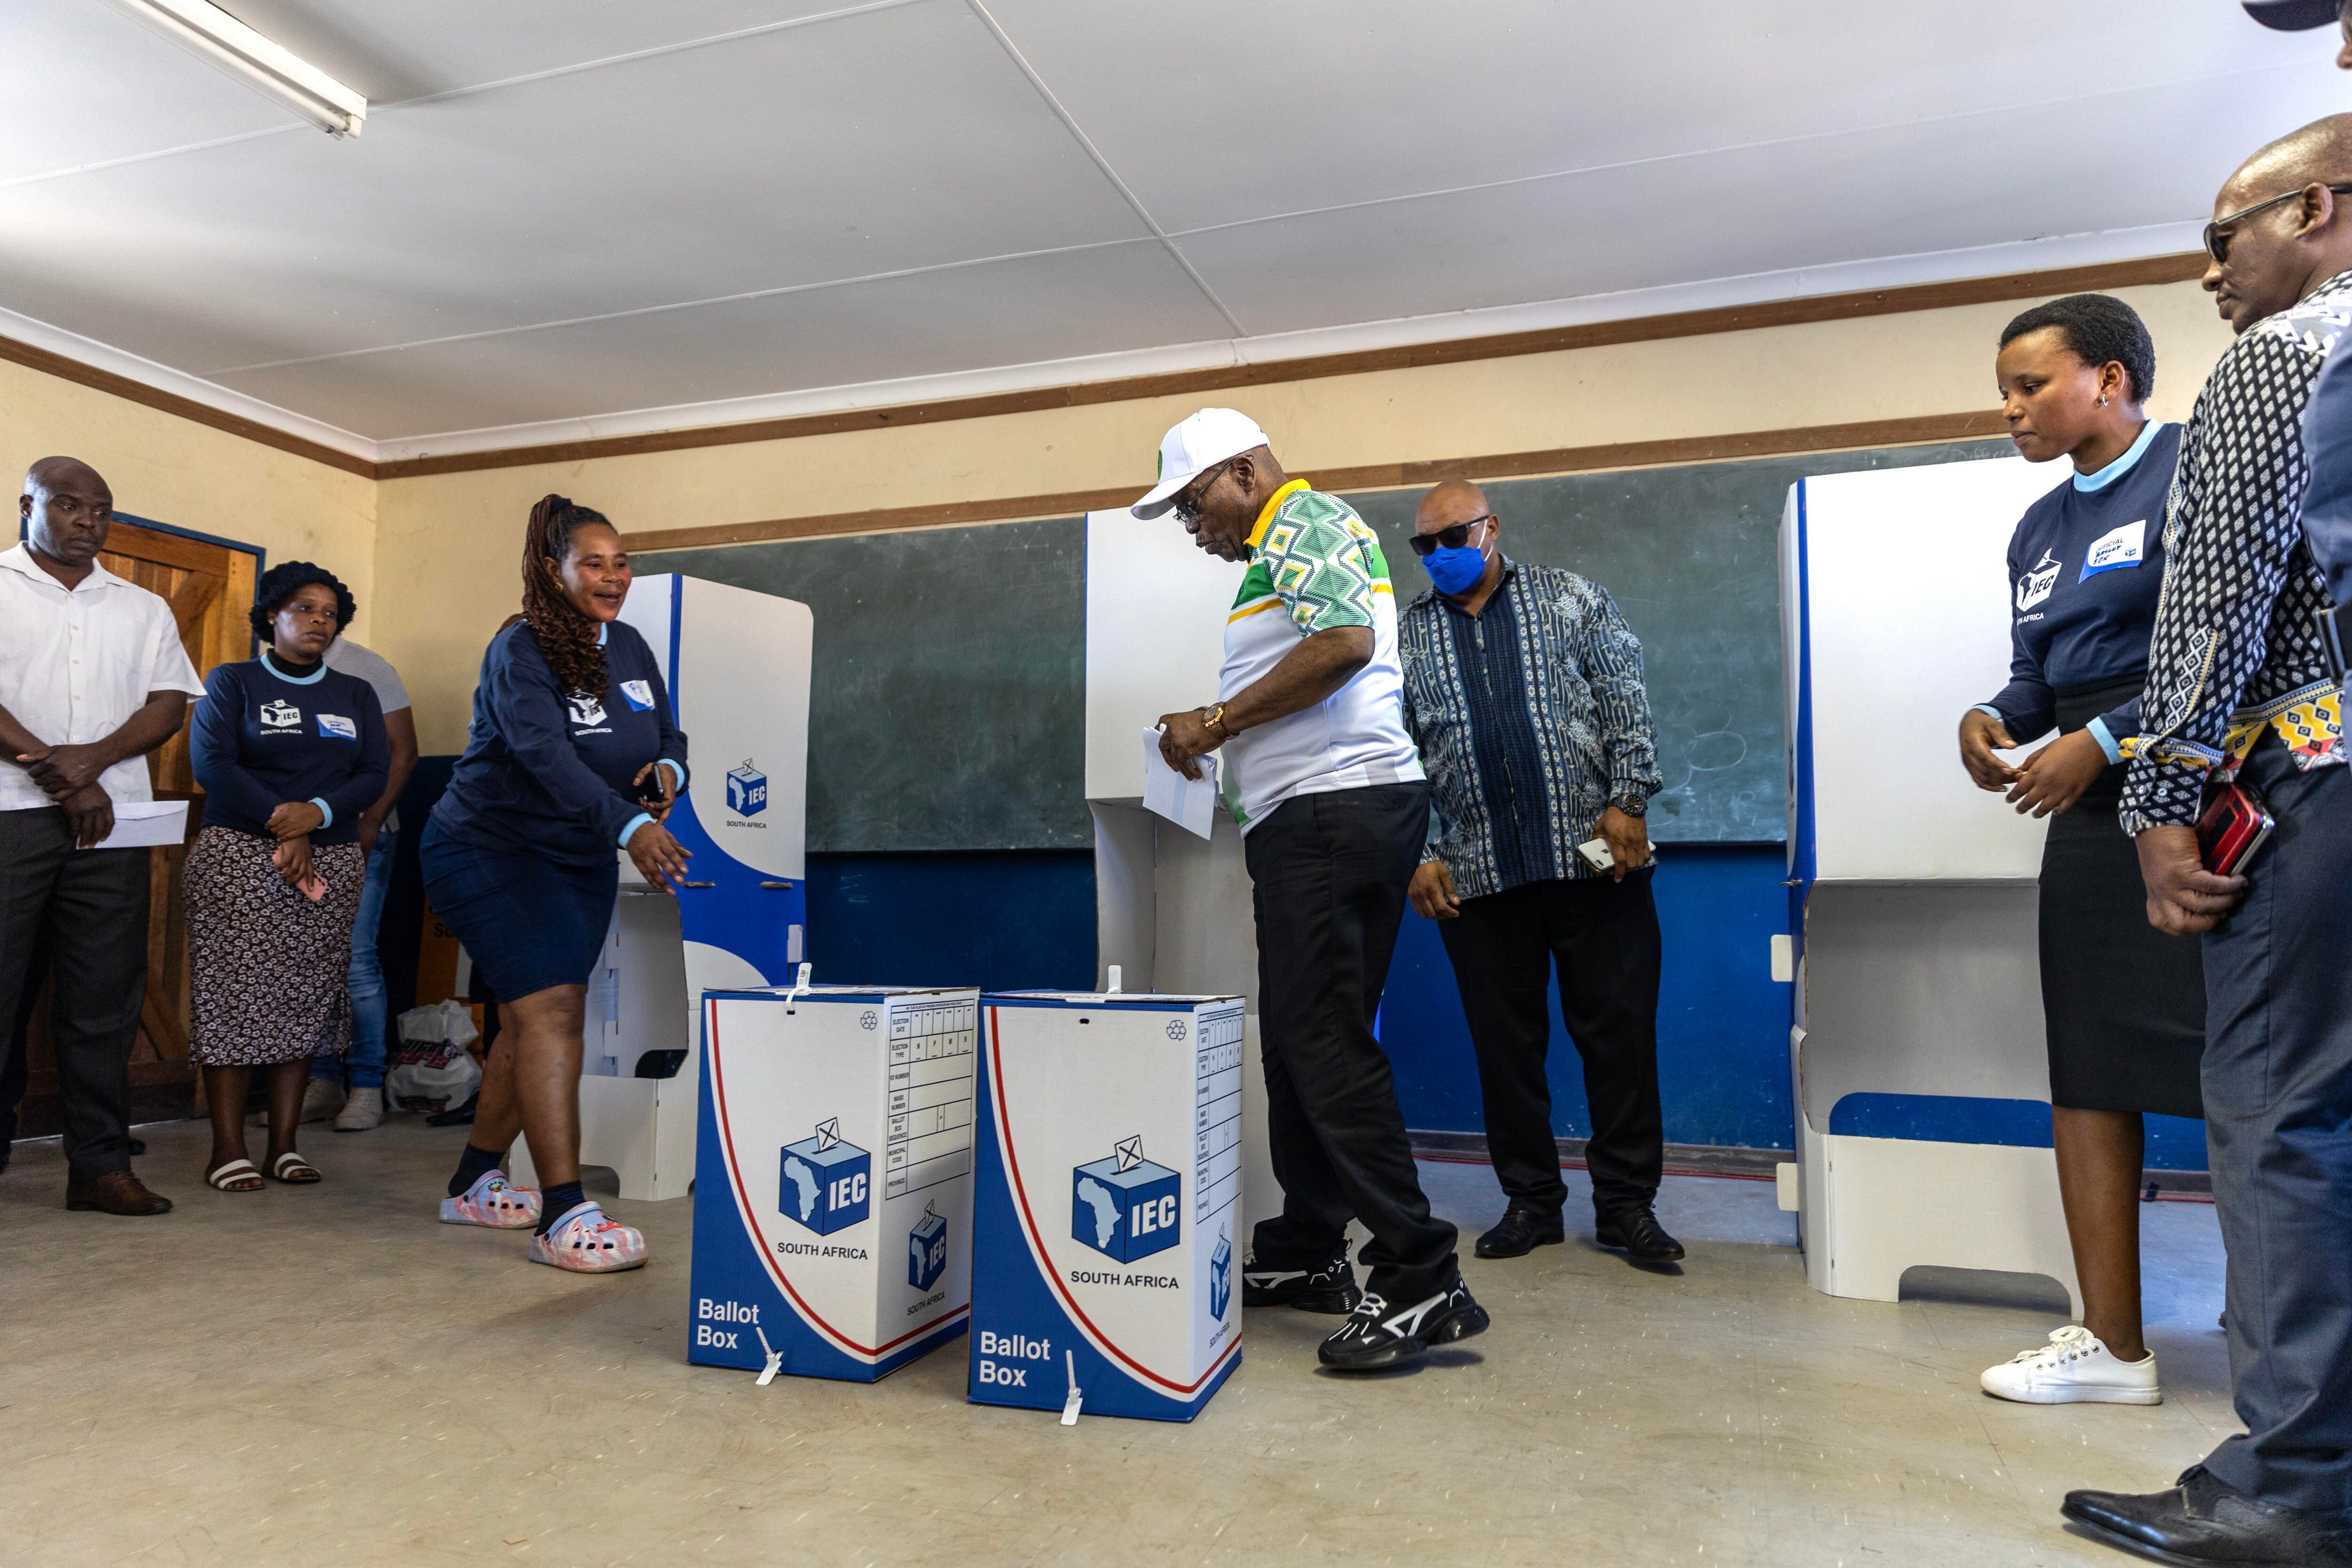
<point>361,1110</point>
<point>92,678</point>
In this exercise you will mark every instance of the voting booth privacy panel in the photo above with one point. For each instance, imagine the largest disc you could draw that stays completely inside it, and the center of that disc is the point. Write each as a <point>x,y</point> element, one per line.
<point>832,1196</point>
<point>1107,1214</point>
<point>737,666</point>
<point>1917,1003</point>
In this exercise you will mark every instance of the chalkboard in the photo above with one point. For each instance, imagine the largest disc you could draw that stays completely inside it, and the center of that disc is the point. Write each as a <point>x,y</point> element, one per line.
<point>947,703</point>
<point>1691,555</point>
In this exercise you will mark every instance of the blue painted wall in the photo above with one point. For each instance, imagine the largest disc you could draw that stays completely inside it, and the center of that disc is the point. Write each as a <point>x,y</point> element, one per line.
<point>1012,919</point>
<point>1723,1023</point>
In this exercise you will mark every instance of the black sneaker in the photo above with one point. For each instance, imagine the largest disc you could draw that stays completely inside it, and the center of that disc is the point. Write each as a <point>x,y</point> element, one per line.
<point>1377,1335</point>
<point>1325,1287</point>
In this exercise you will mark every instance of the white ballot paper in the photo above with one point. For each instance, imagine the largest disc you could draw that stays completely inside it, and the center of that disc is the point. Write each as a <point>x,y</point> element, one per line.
<point>1189,803</point>
<point>139,823</point>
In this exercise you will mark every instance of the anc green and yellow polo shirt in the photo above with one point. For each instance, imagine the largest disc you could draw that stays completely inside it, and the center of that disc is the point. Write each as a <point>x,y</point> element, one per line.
<point>1314,566</point>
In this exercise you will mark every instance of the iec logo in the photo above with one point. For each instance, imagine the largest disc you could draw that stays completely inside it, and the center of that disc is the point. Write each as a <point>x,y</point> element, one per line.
<point>1124,1206</point>
<point>927,1250</point>
<point>1221,1276</point>
<point>747,790</point>
<point>827,1185</point>
<point>279,714</point>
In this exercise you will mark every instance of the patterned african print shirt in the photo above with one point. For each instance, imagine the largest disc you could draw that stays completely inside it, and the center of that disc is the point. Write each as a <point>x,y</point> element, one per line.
<point>1313,565</point>
<point>1532,719</point>
<point>2237,652</point>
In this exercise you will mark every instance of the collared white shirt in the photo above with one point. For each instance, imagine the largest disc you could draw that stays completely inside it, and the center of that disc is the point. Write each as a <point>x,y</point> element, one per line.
<point>75,665</point>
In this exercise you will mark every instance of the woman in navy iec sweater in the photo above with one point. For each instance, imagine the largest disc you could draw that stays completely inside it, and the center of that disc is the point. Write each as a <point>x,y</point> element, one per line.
<point>2123,1004</point>
<point>290,754</point>
<point>572,758</point>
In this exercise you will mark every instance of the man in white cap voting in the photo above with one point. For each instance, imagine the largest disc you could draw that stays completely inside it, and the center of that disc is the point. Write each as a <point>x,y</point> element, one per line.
<point>1328,792</point>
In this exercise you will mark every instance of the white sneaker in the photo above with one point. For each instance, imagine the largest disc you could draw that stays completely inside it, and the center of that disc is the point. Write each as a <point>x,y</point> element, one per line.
<point>2074,1368</point>
<point>363,1112</point>
<point>321,1098</point>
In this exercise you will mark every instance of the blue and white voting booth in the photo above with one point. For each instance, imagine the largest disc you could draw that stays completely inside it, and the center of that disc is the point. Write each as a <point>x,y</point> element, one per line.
<point>833,1207</point>
<point>1922,1082</point>
<point>1107,1214</point>
<point>736,664</point>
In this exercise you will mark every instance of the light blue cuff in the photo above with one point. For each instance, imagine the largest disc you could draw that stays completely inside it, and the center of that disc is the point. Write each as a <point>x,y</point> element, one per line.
<point>1991,712</point>
<point>329,812</point>
<point>676,773</point>
<point>633,823</point>
<point>2106,740</point>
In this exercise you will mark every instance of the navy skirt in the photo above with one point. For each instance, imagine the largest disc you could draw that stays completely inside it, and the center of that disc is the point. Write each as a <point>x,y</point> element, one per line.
<point>528,922</point>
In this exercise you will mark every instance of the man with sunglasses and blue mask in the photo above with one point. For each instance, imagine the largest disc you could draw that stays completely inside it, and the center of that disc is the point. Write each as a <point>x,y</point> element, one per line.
<point>1523,687</point>
<point>2240,692</point>
<point>1333,809</point>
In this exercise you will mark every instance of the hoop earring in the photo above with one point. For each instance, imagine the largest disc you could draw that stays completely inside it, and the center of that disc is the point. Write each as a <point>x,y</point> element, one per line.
<point>2103,403</point>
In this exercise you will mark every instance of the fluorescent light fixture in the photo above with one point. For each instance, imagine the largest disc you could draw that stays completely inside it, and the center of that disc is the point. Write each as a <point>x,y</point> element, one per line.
<point>212,34</point>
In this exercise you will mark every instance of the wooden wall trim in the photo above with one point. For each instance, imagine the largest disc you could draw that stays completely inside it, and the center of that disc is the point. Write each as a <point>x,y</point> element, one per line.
<point>138,392</point>
<point>1909,431</point>
<point>2151,269</point>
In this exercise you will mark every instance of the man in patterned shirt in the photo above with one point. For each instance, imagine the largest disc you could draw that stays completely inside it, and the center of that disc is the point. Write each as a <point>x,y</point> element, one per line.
<point>2238,689</point>
<point>1523,685</point>
<point>1332,807</point>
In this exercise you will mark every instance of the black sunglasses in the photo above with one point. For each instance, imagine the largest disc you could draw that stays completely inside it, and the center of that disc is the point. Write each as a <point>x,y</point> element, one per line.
<point>1187,507</point>
<point>2217,235</point>
<point>1453,538</point>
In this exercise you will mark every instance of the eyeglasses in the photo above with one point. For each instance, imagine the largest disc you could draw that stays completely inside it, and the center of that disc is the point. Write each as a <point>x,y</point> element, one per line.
<point>1188,505</point>
<point>2217,235</point>
<point>1453,538</point>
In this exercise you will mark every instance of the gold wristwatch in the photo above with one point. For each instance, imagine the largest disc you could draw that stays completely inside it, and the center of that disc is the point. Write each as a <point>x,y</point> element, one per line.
<point>1216,719</point>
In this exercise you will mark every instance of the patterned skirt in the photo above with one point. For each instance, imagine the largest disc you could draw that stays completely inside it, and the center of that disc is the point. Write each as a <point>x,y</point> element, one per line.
<point>269,969</point>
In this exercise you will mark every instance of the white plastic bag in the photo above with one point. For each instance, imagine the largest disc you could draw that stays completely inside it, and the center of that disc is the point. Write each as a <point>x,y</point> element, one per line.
<point>430,1069</point>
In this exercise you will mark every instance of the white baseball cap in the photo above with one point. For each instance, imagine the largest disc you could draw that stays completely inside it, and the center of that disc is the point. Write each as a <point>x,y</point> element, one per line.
<point>1191,449</point>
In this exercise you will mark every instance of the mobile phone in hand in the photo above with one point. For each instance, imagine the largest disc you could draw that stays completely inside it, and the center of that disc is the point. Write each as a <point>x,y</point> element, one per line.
<point>2231,829</point>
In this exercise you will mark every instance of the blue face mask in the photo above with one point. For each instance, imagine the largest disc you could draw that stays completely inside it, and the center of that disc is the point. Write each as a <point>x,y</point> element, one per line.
<point>1456,571</point>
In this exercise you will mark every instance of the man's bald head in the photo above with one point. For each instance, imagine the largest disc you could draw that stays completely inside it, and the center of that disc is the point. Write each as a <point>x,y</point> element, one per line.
<point>1448,503</point>
<point>2279,227</point>
<point>66,510</point>
<point>2318,153</point>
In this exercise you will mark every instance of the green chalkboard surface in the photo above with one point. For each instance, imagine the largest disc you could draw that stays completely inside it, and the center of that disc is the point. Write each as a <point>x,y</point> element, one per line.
<point>949,701</point>
<point>1692,556</point>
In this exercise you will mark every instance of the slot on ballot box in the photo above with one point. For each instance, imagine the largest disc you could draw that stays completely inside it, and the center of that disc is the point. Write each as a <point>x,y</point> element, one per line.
<point>1107,1200</point>
<point>833,1183</point>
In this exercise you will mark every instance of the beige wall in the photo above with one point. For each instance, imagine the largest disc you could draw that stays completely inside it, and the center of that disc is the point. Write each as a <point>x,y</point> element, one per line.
<point>177,471</point>
<point>457,536</point>
<point>444,548</point>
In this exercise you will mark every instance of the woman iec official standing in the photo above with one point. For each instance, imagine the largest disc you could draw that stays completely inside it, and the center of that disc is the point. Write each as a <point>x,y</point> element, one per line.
<point>572,756</point>
<point>290,755</point>
<point>2125,1005</point>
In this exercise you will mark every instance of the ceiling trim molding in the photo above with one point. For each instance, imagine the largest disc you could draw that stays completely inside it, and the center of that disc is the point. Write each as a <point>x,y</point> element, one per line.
<point>141,391</point>
<point>1974,426</point>
<point>2155,269</point>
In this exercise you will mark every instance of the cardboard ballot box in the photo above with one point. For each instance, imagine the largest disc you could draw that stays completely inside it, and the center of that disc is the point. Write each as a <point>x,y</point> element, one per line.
<point>1107,1201</point>
<point>832,1186</point>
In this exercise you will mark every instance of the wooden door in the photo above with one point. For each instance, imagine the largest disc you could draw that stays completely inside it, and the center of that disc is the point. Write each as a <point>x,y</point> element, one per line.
<point>210,589</point>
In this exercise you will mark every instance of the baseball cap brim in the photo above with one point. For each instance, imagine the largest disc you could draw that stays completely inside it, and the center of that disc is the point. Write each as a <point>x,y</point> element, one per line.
<point>1163,496</point>
<point>2292,16</point>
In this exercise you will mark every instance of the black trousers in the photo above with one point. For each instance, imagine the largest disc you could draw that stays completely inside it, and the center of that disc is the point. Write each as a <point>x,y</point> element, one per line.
<point>2278,1118</point>
<point>1602,935</point>
<point>1329,874</point>
<point>87,908</point>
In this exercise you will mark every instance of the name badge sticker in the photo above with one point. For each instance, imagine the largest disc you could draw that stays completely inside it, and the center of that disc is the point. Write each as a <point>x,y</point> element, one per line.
<point>2115,550</point>
<point>335,727</point>
<point>640,694</point>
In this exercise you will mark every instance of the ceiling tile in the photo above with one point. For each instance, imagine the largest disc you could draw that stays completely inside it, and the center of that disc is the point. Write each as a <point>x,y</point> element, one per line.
<point>1010,312</point>
<point>898,139</point>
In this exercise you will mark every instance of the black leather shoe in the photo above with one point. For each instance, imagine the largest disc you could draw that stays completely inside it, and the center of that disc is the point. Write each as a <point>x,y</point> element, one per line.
<point>1520,1231</point>
<point>1637,1233</point>
<point>2206,1520</point>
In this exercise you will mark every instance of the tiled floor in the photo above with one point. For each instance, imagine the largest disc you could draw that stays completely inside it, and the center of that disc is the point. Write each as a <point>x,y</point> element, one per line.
<point>326,1376</point>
